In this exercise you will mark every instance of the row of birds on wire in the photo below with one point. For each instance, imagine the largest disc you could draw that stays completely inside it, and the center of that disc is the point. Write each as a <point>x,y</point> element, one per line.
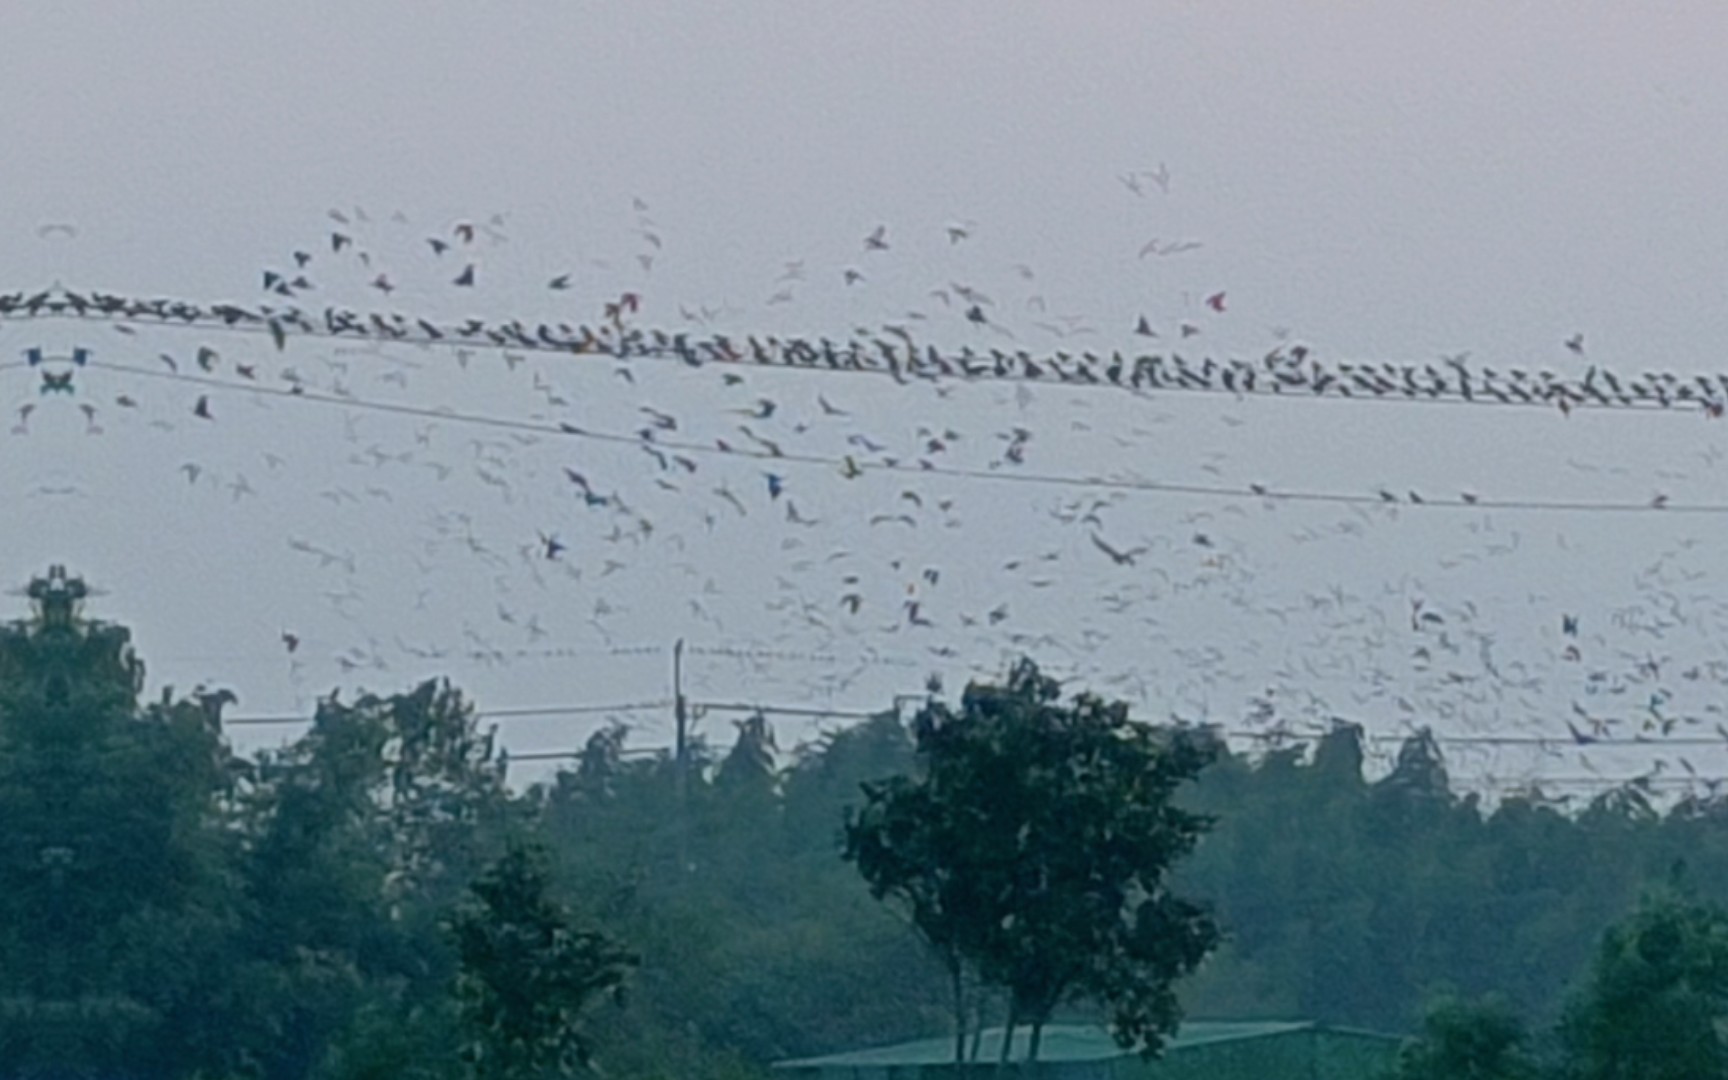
<point>894,351</point>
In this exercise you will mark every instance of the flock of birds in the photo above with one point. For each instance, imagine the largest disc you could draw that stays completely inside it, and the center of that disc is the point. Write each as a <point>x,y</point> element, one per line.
<point>903,571</point>
<point>894,351</point>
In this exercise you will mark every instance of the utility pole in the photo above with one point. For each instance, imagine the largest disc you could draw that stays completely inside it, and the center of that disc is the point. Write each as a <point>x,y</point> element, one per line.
<point>680,756</point>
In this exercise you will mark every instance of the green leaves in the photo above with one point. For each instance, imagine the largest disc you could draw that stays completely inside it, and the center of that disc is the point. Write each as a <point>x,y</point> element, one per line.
<point>526,976</point>
<point>1656,1005</point>
<point>1033,846</point>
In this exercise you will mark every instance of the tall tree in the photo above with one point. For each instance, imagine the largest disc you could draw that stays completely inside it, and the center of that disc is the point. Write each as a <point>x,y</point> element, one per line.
<point>1035,844</point>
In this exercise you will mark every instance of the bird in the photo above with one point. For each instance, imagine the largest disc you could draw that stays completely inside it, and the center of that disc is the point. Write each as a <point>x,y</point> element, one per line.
<point>1216,301</point>
<point>466,277</point>
<point>562,281</point>
<point>877,240</point>
<point>776,484</point>
<point>1144,328</point>
<point>1576,343</point>
<point>551,545</point>
<point>1120,558</point>
<point>1578,736</point>
<point>202,408</point>
<point>290,640</point>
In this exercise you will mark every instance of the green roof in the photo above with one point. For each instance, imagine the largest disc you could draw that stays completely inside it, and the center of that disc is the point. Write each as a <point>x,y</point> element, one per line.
<point>1061,1042</point>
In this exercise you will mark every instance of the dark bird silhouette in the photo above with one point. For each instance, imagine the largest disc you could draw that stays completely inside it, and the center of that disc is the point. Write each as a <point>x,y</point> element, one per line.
<point>1120,558</point>
<point>1216,302</point>
<point>466,277</point>
<point>202,409</point>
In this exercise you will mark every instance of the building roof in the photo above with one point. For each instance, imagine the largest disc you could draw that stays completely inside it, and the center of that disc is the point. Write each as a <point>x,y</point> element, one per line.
<point>1061,1042</point>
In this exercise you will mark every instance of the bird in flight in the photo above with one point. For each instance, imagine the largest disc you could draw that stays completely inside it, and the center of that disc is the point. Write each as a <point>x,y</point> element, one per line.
<point>1120,558</point>
<point>877,240</point>
<point>1216,301</point>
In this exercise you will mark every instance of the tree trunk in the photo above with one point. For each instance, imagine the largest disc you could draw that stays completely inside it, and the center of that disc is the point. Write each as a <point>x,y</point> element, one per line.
<point>1037,1036</point>
<point>1008,1035</point>
<point>977,1025</point>
<point>959,1013</point>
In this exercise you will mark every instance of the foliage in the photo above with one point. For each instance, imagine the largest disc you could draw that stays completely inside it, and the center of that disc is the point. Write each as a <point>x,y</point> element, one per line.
<point>1470,1040</point>
<point>526,976</point>
<point>1033,846</point>
<point>284,916</point>
<point>1656,1004</point>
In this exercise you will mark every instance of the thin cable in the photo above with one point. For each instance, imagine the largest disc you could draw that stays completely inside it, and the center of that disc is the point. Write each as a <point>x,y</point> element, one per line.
<point>1545,392</point>
<point>787,710</point>
<point>482,714</point>
<point>1463,502</point>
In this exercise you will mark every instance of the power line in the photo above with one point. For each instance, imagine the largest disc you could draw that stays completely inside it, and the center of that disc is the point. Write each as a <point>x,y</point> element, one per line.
<point>1545,741</point>
<point>482,714</point>
<point>1464,501</point>
<point>1291,376</point>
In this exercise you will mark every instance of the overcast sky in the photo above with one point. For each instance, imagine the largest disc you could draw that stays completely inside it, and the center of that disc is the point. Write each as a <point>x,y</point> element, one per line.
<point>1378,182</point>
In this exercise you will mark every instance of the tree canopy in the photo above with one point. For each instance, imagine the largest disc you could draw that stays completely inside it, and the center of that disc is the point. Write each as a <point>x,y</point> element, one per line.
<point>1033,844</point>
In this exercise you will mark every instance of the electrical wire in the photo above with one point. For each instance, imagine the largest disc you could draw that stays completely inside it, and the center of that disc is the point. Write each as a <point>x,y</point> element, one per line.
<point>1463,501</point>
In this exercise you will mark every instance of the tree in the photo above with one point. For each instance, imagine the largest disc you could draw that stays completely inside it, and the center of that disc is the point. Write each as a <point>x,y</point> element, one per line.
<point>1469,1040</point>
<point>1034,846</point>
<point>526,977</point>
<point>1657,1001</point>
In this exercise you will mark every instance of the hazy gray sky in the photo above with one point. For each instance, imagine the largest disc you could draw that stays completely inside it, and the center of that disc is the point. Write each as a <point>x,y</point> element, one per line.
<point>1385,182</point>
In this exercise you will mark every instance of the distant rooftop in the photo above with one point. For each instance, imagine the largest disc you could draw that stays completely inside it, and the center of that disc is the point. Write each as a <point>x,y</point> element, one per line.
<point>1061,1042</point>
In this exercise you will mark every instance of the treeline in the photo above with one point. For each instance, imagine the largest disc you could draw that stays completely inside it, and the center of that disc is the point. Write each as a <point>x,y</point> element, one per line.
<point>169,909</point>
